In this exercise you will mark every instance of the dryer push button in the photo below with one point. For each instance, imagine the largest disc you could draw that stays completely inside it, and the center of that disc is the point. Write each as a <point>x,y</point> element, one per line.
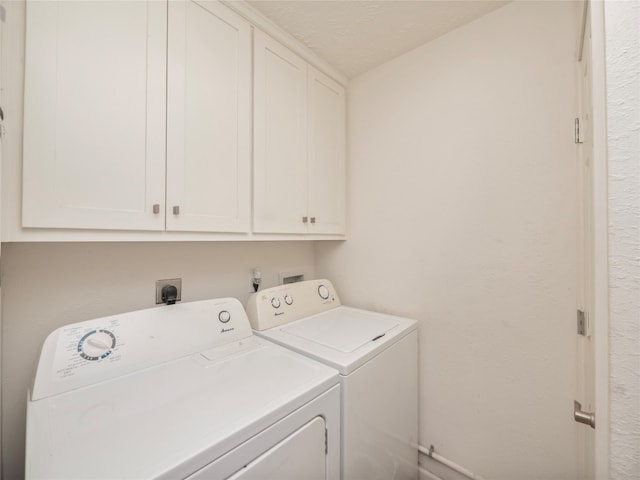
<point>224,316</point>
<point>323,291</point>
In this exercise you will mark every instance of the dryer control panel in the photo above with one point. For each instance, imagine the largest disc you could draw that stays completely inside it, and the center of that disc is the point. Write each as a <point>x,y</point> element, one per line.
<point>89,352</point>
<point>279,305</point>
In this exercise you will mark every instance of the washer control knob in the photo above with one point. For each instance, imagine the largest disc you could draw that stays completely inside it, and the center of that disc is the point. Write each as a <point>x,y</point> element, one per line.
<point>287,299</point>
<point>224,316</point>
<point>275,302</point>
<point>323,291</point>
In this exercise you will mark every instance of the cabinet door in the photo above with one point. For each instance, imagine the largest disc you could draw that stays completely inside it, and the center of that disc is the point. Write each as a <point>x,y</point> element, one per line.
<point>280,133</point>
<point>208,118</point>
<point>94,115</point>
<point>326,187</point>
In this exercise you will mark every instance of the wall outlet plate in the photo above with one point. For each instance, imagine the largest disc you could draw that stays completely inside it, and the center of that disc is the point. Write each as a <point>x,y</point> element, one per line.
<point>176,282</point>
<point>290,277</point>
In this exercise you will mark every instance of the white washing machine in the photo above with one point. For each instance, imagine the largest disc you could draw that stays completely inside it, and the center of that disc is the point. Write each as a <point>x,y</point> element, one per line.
<point>180,391</point>
<point>377,357</point>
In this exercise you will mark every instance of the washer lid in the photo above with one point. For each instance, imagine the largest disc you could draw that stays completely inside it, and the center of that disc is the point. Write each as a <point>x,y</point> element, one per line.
<point>343,330</point>
<point>344,338</point>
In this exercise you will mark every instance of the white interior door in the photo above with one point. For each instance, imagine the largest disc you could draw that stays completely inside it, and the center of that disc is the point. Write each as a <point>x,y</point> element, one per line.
<point>586,342</point>
<point>2,20</point>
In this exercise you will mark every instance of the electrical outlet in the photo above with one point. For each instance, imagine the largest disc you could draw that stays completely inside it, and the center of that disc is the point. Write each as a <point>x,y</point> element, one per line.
<point>250,282</point>
<point>256,279</point>
<point>176,282</point>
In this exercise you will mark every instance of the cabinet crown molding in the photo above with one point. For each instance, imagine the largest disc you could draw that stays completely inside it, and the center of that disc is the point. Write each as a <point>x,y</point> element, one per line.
<point>258,20</point>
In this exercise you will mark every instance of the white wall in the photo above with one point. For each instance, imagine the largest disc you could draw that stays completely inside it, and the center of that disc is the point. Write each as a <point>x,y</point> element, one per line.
<point>622,27</point>
<point>462,214</point>
<point>45,286</point>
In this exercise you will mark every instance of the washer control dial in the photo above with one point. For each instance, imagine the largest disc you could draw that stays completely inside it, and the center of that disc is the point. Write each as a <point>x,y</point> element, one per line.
<point>96,345</point>
<point>224,316</point>
<point>287,299</point>
<point>323,291</point>
<point>275,302</point>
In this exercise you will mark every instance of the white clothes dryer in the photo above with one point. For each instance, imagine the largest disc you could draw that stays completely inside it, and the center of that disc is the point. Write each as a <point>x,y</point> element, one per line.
<point>377,357</point>
<point>180,391</point>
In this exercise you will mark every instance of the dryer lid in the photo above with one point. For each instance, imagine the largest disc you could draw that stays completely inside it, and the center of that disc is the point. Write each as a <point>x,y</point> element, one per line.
<point>170,420</point>
<point>344,330</point>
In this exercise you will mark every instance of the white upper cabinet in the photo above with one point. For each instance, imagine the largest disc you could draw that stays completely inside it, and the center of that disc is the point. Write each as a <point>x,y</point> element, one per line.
<point>299,144</point>
<point>326,154</point>
<point>280,138</point>
<point>94,115</point>
<point>96,102</point>
<point>208,119</point>
<point>145,116</point>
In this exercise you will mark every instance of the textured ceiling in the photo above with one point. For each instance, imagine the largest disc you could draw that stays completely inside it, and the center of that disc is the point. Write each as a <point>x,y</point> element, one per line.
<point>355,35</point>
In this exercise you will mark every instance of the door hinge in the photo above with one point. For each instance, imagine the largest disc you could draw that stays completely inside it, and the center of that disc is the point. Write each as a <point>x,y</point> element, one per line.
<point>2,129</point>
<point>582,323</point>
<point>326,441</point>
<point>578,136</point>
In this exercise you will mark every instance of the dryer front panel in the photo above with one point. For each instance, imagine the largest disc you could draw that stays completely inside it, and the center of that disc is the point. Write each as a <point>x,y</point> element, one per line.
<point>306,444</point>
<point>300,455</point>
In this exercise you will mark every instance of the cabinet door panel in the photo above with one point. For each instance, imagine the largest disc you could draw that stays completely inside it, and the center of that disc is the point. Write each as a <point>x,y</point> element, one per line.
<point>280,132</point>
<point>94,114</point>
<point>327,189</point>
<point>208,137</point>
